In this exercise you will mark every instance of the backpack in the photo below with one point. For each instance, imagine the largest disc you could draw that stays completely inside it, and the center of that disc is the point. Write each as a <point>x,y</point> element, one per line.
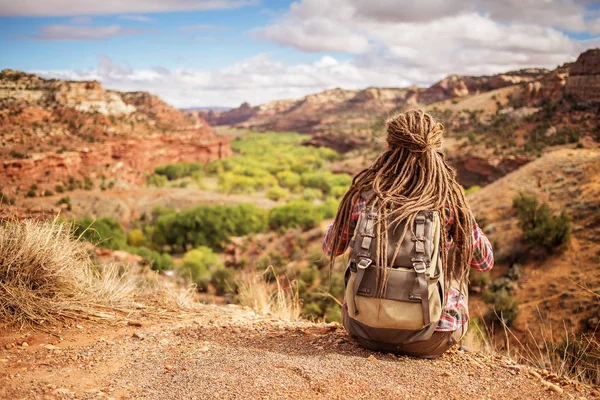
<point>412,303</point>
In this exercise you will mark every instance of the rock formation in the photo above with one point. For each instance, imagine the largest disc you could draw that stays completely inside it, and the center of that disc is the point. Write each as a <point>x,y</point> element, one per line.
<point>52,130</point>
<point>583,84</point>
<point>343,110</point>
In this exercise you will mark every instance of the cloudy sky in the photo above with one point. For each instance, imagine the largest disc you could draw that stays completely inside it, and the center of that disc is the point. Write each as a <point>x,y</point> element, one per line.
<point>224,52</point>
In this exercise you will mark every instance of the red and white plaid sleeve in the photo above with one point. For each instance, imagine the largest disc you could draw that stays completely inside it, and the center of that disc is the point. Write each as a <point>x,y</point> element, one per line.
<point>483,256</point>
<point>346,233</point>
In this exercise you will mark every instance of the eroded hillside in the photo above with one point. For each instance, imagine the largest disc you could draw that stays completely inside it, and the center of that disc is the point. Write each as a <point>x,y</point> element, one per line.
<point>60,133</point>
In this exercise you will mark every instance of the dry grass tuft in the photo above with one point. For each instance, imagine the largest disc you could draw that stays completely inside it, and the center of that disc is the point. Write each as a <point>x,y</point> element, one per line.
<point>46,274</point>
<point>266,298</point>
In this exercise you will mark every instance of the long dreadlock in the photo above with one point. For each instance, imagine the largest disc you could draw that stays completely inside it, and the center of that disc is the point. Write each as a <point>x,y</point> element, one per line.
<point>410,176</point>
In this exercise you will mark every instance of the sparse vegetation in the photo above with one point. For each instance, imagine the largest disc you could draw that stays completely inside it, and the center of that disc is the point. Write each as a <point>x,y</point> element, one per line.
<point>157,180</point>
<point>505,307</point>
<point>541,229</point>
<point>65,200</point>
<point>18,155</point>
<point>203,267</point>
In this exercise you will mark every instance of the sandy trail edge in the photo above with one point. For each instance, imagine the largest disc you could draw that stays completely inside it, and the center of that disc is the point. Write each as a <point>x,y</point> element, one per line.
<point>231,353</point>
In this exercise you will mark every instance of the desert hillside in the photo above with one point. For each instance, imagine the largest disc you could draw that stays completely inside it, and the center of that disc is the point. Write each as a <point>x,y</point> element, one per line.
<point>345,110</point>
<point>60,133</point>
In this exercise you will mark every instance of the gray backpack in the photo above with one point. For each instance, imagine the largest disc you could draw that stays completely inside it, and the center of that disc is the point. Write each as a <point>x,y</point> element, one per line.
<point>412,304</point>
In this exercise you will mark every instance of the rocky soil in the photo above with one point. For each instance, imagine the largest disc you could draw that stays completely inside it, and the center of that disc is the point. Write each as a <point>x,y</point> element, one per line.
<point>232,353</point>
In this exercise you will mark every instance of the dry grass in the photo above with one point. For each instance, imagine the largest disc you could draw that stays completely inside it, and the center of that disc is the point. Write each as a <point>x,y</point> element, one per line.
<point>46,274</point>
<point>267,298</point>
<point>576,358</point>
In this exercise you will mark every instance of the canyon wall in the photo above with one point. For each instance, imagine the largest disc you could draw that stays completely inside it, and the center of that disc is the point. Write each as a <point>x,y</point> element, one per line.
<point>53,130</point>
<point>583,83</point>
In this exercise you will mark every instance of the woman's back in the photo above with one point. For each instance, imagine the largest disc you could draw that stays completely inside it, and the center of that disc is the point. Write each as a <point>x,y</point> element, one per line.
<point>407,179</point>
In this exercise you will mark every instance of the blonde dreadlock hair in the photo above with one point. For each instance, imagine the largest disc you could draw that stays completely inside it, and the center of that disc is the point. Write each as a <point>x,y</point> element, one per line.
<point>410,176</point>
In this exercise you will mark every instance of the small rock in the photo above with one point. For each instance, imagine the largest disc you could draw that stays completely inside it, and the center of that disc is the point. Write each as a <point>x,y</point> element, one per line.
<point>553,387</point>
<point>9,346</point>
<point>464,348</point>
<point>373,359</point>
<point>3,360</point>
<point>63,391</point>
<point>446,373</point>
<point>79,326</point>
<point>535,374</point>
<point>24,344</point>
<point>139,335</point>
<point>204,349</point>
<point>134,323</point>
<point>169,368</point>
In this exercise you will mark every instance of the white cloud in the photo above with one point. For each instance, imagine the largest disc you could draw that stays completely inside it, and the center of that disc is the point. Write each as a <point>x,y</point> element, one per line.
<point>38,8</point>
<point>81,20</point>
<point>256,80</point>
<point>203,27</point>
<point>69,32</point>
<point>426,40</point>
<point>137,18</point>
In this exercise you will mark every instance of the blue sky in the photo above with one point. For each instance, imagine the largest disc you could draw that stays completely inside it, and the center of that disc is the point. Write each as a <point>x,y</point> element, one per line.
<point>223,52</point>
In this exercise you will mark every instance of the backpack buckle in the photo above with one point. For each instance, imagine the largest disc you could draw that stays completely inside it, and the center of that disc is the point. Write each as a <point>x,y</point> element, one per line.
<point>420,267</point>
<point>364,263</point>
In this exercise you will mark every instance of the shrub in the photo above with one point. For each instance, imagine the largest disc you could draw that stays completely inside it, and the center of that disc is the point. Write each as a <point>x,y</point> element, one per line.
<point>59,188</point>
<point>199,265</point>
<point>158,261</point>
<point>541,229</point>
<point>295,214</point>
<point>87,183</point>
<point>329,208</point>
<point>472,189</point>
<point>210,226</point>
<point>135,238</point>
<point>504,307</point>
<point>4,199</point>
<point>514,272</point>
<point>478,281</point>
<point>325,181</point>
<point>277,193</point>
<point>311,194</point>
<point>104,232</point>
<point>65,200</point>
<point>32,191</point>
<point>48,193</point>
<point>18,155</point>
<point>179,170</point>
<point>289,179</point>
<point>157,180</point>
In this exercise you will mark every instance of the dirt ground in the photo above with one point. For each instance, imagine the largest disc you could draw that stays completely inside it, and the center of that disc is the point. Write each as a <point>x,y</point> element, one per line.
<point>231,353</point>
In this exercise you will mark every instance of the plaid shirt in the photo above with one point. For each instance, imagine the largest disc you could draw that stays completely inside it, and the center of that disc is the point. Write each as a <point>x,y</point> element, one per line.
<point>456,312</point>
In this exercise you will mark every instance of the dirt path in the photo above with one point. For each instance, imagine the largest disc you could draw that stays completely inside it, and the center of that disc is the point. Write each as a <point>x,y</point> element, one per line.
<point>230,353</point>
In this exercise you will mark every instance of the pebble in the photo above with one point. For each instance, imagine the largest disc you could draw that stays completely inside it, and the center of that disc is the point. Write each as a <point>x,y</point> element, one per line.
<point>9,346</point>
<point>553,387</point>
<point>139,335</point>
<point>51,347</point>
<point>24,344</point>
<point>446,373</point>
<point>535,374</point>
<point>373,359</point>
<point>134,323</point>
